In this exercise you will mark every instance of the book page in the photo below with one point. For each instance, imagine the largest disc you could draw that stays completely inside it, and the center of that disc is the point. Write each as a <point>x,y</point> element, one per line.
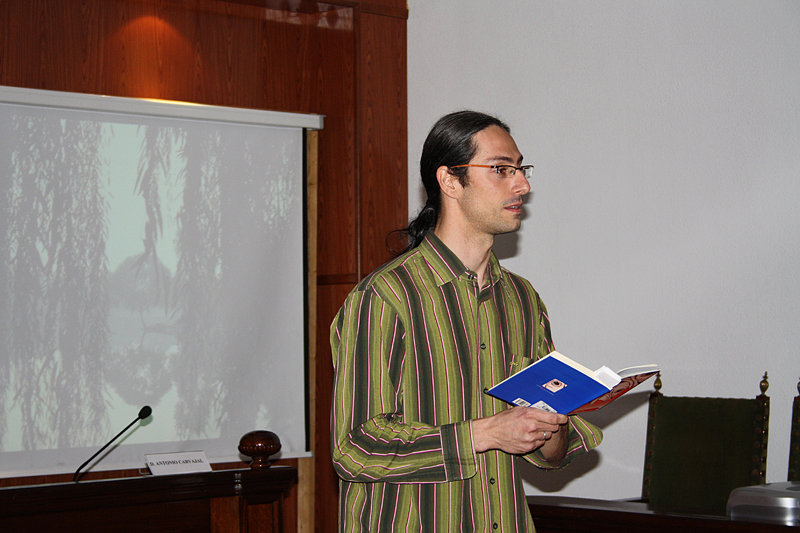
<point>607,377</point>
<point>635,370</point>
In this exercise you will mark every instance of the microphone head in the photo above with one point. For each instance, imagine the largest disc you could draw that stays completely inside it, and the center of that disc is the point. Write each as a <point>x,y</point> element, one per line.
<point>144,412</point>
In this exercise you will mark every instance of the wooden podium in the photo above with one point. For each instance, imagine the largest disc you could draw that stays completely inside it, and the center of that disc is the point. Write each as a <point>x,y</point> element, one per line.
<point>221,501</point>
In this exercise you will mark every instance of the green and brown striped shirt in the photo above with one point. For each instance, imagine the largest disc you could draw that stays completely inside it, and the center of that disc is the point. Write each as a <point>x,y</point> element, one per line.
<point>414,346</point>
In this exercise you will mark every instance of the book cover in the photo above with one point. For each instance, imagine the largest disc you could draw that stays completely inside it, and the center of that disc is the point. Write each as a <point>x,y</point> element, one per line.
<point>558,384</point>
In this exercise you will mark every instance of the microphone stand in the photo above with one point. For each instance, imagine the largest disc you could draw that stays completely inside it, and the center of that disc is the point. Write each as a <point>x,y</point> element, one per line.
<point>143,413</point>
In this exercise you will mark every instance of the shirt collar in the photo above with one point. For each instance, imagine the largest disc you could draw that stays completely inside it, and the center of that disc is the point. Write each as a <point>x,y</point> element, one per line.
<point>446,264</point>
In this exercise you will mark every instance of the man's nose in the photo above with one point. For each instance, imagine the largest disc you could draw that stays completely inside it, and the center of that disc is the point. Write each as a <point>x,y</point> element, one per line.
<point>521,184</point>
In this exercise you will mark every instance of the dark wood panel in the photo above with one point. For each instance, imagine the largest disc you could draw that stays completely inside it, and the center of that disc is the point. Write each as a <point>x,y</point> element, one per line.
<point>338,279</point>
<point>389,8</point>
<point>171,517</point>
<point>333,55</point>
<point>226,514</point>
<point>329,300</point>
<point>163,503</point>
<point>383,136</point>
<point>555,514</point>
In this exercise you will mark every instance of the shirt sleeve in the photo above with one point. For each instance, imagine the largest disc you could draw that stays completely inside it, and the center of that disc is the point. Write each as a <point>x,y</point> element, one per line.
<point>582,437</point>
<point>371,440</point>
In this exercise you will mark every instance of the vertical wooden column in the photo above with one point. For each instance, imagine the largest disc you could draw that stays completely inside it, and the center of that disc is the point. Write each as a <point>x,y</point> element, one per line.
<point>305,466</point>
<point>383,135</point>
<point>379,202</point>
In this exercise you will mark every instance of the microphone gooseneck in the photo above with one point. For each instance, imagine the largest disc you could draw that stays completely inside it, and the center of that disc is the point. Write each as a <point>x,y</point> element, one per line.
<point>144,412</point>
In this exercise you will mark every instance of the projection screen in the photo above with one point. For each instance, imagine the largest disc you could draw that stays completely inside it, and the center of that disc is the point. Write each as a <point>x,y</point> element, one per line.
<point>152,253</point>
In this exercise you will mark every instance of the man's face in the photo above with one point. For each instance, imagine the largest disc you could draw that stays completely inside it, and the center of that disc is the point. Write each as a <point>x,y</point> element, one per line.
<point>492,203</point>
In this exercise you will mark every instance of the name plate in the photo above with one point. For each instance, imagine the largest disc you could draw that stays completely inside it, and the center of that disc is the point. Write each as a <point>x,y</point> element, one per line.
<point>177,463</point>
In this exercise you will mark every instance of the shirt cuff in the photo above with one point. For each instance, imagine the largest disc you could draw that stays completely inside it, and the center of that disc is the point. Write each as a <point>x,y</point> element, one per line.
<point>582,438</point>
<point>458,451</point>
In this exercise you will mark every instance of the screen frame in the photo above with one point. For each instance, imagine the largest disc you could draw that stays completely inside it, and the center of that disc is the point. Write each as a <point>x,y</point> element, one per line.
<point>308,123</point>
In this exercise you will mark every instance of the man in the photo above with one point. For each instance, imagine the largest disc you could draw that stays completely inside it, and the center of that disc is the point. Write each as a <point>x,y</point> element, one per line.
<point>416,442</point>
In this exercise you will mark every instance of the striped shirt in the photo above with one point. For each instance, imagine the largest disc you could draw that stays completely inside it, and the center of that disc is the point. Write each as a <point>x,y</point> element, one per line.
<point>414,346</point>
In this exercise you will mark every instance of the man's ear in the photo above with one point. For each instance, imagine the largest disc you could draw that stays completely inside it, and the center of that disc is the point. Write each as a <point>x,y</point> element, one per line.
<point>448,182</point>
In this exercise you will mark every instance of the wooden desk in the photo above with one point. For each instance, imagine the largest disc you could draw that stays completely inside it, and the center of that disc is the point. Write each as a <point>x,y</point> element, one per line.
<point>223,501</point>
<point>579,515</point>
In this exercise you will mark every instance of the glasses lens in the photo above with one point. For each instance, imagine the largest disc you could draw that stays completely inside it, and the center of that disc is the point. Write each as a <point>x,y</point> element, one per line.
<point>506,171</point>
<point>528,171</point>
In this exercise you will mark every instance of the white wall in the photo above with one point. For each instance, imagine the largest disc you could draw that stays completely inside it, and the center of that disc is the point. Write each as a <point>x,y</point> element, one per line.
<point>664,225</point>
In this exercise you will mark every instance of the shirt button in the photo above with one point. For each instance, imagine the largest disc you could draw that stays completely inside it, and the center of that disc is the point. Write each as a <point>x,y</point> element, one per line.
<point>483,346</point>
<point>494,526</point>
<point>491,480</point>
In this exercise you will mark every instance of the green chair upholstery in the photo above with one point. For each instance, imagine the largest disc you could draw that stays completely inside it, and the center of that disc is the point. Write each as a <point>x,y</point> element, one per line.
<point>794,446</point>
<point>699,449</point>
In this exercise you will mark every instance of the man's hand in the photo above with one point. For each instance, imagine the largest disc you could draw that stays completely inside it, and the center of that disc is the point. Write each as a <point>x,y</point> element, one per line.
<point>521,430</point>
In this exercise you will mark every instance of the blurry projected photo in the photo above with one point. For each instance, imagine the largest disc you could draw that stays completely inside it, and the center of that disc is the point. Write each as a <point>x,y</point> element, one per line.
<point>147,260</point>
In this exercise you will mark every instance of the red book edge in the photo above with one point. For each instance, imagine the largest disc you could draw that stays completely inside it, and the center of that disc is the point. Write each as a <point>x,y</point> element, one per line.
<point>618,390</point>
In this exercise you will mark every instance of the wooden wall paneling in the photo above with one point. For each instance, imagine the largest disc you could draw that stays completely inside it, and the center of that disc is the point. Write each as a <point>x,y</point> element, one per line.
<point>332,84</point>
<point>220,53</point>
<point>345,60</point>
<point>326,489</point>
<point>383,134</point>
<point>147,49</point>
<point>381,204</point>
<point>334,78</point>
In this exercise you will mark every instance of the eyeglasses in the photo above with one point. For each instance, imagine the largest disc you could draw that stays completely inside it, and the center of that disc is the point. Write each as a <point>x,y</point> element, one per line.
<point>505,171</point>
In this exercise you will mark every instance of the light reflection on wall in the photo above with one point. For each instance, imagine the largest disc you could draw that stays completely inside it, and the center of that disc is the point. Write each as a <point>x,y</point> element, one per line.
<point>146,69</point>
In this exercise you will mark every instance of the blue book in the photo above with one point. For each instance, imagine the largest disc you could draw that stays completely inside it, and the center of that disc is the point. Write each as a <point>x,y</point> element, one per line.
<point>558,384</point>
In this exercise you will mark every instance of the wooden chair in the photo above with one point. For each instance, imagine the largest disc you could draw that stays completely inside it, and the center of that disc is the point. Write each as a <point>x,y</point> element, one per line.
<point>699,449</point>
<point>794,445</point>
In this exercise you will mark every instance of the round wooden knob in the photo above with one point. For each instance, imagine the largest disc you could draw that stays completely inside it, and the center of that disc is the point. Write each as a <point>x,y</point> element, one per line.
<point>259,445</point>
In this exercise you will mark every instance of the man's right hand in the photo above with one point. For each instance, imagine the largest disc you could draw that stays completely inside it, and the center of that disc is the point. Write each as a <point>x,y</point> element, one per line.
<point>517,430</point>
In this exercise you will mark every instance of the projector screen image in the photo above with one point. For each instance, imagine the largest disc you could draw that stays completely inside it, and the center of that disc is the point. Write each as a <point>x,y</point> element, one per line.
<point>147,260</point>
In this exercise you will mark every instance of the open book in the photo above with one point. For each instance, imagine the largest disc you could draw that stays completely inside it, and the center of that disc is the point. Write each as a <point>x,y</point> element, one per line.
<point>558,384</point>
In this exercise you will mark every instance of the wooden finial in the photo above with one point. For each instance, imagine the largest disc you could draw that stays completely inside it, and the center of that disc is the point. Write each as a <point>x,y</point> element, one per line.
<point>259,445</point>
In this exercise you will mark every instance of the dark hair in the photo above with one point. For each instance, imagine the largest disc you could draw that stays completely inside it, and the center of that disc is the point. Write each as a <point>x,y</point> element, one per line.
<point>450,142</point>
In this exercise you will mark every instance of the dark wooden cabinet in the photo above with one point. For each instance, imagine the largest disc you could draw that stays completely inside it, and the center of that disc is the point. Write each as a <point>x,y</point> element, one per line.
<point>558,514</point>
<point>225,501</point>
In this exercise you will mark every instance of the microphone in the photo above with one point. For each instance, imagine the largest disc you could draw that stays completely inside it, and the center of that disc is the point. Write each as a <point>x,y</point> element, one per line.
<point>144,412</point>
